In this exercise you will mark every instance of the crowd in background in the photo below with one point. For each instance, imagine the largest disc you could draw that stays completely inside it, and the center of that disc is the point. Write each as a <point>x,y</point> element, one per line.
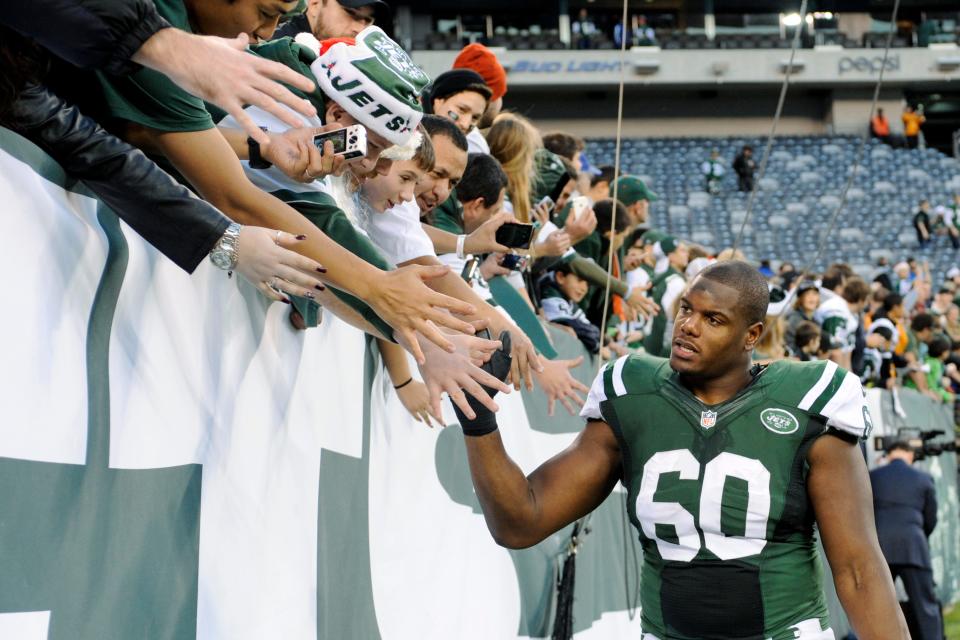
<point>457,218</point>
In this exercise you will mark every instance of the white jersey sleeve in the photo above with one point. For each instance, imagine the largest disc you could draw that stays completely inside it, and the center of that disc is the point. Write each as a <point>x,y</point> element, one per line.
<point>598,391</point>
<point>839,399</point>
<point>398,233</point>
<point>476,143</point>
<point>591,408</point>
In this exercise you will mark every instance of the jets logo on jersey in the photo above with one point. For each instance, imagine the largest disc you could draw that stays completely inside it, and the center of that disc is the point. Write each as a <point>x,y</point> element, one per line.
<point>708,419</point>
<point>779,421</point>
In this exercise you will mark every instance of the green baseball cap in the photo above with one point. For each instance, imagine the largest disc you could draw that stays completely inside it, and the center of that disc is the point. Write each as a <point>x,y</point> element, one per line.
<point>668,244</point>
<point>651,236</point>
<point>631,189</point>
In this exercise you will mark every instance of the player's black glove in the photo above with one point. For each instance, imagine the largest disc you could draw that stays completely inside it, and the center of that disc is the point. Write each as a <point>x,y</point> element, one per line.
<point>499,367</point>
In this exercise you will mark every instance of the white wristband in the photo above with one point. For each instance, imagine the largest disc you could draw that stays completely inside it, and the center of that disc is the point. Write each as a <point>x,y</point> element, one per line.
<point>461,239</point>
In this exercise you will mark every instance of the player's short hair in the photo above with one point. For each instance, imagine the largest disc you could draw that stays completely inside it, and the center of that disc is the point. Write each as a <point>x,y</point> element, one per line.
<point>745,278</point>
<point>938,346</point>
<point>892,300</point>
<point>922,322</point>
<point>901,445</point>
<point>483,178</point>
<point>604,210</point>
<point>855,290</point>
<point>885,332</point>
<point>833,277</point>
<point>563,144</point>
<point>438,126</point>
<point>806,331</point>
<point>607,172</point>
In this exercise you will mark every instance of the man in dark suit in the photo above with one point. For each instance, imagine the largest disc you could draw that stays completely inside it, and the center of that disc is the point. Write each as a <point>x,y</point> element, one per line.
<point>905,508</point>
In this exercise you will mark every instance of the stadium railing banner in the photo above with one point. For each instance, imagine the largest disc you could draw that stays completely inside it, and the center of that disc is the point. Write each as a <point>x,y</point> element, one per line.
<point>177,462</point>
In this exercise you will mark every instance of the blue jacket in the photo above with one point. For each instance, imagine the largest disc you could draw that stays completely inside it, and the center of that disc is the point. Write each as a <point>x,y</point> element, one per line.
<point>905,508</point>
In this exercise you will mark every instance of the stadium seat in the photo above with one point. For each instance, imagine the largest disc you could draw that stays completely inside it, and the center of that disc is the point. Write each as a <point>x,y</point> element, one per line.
<point>804,181</point>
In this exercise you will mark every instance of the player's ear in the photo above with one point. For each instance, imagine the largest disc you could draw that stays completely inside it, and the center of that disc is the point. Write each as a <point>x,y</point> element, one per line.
<point>754,332</point>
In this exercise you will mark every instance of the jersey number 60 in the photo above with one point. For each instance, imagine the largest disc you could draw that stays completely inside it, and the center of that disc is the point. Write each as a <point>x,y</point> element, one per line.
<point>715,473</point>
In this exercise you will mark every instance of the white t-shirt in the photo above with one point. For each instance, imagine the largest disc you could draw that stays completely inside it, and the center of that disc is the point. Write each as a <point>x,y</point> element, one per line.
<point>398,233</point>
<point>476,143</point>
<point>834,316</point>
<point>637,278</point>
<point>546,232</point>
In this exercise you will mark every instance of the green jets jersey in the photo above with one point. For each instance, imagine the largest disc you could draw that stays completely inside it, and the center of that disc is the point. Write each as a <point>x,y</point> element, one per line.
<point>718,494</point>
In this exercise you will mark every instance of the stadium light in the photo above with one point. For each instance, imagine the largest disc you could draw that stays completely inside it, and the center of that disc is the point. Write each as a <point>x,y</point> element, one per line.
<point>791,20</point>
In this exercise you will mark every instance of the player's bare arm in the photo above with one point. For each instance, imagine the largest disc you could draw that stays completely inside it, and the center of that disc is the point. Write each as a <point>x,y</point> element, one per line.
<point>523,510</point>
<point>839,490</point>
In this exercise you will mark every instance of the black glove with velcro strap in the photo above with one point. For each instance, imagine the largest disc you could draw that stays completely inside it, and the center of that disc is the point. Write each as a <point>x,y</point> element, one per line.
<point>499,367</point>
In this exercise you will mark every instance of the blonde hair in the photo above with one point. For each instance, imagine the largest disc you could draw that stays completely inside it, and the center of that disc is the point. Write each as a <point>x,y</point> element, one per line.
<point>770,346</point>
<point>513,141</point>
<point>731,254</point>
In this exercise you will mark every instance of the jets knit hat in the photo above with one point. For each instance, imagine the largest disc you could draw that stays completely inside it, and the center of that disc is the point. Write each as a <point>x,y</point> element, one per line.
<point>374,80</point>
<point>479,58</point>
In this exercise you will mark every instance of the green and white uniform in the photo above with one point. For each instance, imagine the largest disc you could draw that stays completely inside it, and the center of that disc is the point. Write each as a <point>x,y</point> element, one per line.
<point>718,494</point>
<point>834,316</point>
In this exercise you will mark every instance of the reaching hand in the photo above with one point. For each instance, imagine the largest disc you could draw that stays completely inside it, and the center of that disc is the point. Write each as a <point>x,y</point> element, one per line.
<point>264,257</point>
<point>558,384</point>
<point>484,238</point>
<point>458,372</point>
<point>640,303</point>
<point>221,71</point>
<point>541,213</point>
<point>582,226</point>
<point>408,305</point>
<point>490,267</point>
<point>416,399</point>
<point>522,352</point>
<point>555,245</point>
<point>294,153</point>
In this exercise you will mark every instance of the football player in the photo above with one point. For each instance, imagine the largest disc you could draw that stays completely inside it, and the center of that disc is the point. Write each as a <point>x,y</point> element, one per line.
<point>730,470</point>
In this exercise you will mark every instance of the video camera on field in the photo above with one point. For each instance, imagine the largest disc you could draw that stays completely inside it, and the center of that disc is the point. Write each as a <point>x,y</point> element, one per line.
<point>920,440</point>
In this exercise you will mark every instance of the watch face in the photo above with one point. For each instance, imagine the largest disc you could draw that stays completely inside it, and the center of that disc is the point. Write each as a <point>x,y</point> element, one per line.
<point>221,259</point>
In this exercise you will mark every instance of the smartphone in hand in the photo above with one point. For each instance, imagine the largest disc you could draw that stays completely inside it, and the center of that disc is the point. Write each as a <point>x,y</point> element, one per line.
<point>516,235</point>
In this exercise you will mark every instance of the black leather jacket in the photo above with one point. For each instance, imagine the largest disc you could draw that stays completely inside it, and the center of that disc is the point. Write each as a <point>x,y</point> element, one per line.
<point>181,226</point>
<point>91,34</point>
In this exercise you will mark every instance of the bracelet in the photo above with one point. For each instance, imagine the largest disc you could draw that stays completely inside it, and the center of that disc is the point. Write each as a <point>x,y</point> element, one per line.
<point>397,387</point>
<point>461,240</point>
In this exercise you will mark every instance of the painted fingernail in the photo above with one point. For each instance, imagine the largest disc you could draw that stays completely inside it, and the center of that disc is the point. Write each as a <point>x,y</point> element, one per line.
<point>284,301</point>
<point>319,287</point>
<point>321,269</point>
<point>301,237</point>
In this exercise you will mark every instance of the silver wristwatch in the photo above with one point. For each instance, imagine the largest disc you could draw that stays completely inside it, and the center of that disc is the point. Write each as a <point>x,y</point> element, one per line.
<point>226,252</point>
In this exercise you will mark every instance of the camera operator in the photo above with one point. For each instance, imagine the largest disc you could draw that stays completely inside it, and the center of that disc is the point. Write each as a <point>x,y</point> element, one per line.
<point>905,508</point>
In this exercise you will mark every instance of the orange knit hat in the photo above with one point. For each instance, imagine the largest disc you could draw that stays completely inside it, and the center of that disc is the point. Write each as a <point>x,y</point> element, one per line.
<point>480,59</point>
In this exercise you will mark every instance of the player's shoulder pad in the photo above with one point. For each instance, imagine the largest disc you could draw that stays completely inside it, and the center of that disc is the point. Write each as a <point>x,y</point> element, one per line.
<point>825,390</point>
<point>635,374</point>
<point>632,374</point>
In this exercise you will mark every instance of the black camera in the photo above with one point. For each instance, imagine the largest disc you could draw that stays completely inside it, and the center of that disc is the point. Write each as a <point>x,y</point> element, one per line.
<point>920,440</point>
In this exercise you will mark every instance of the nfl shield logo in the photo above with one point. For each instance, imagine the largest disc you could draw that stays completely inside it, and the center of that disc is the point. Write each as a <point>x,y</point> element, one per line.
<point>708,419</point>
